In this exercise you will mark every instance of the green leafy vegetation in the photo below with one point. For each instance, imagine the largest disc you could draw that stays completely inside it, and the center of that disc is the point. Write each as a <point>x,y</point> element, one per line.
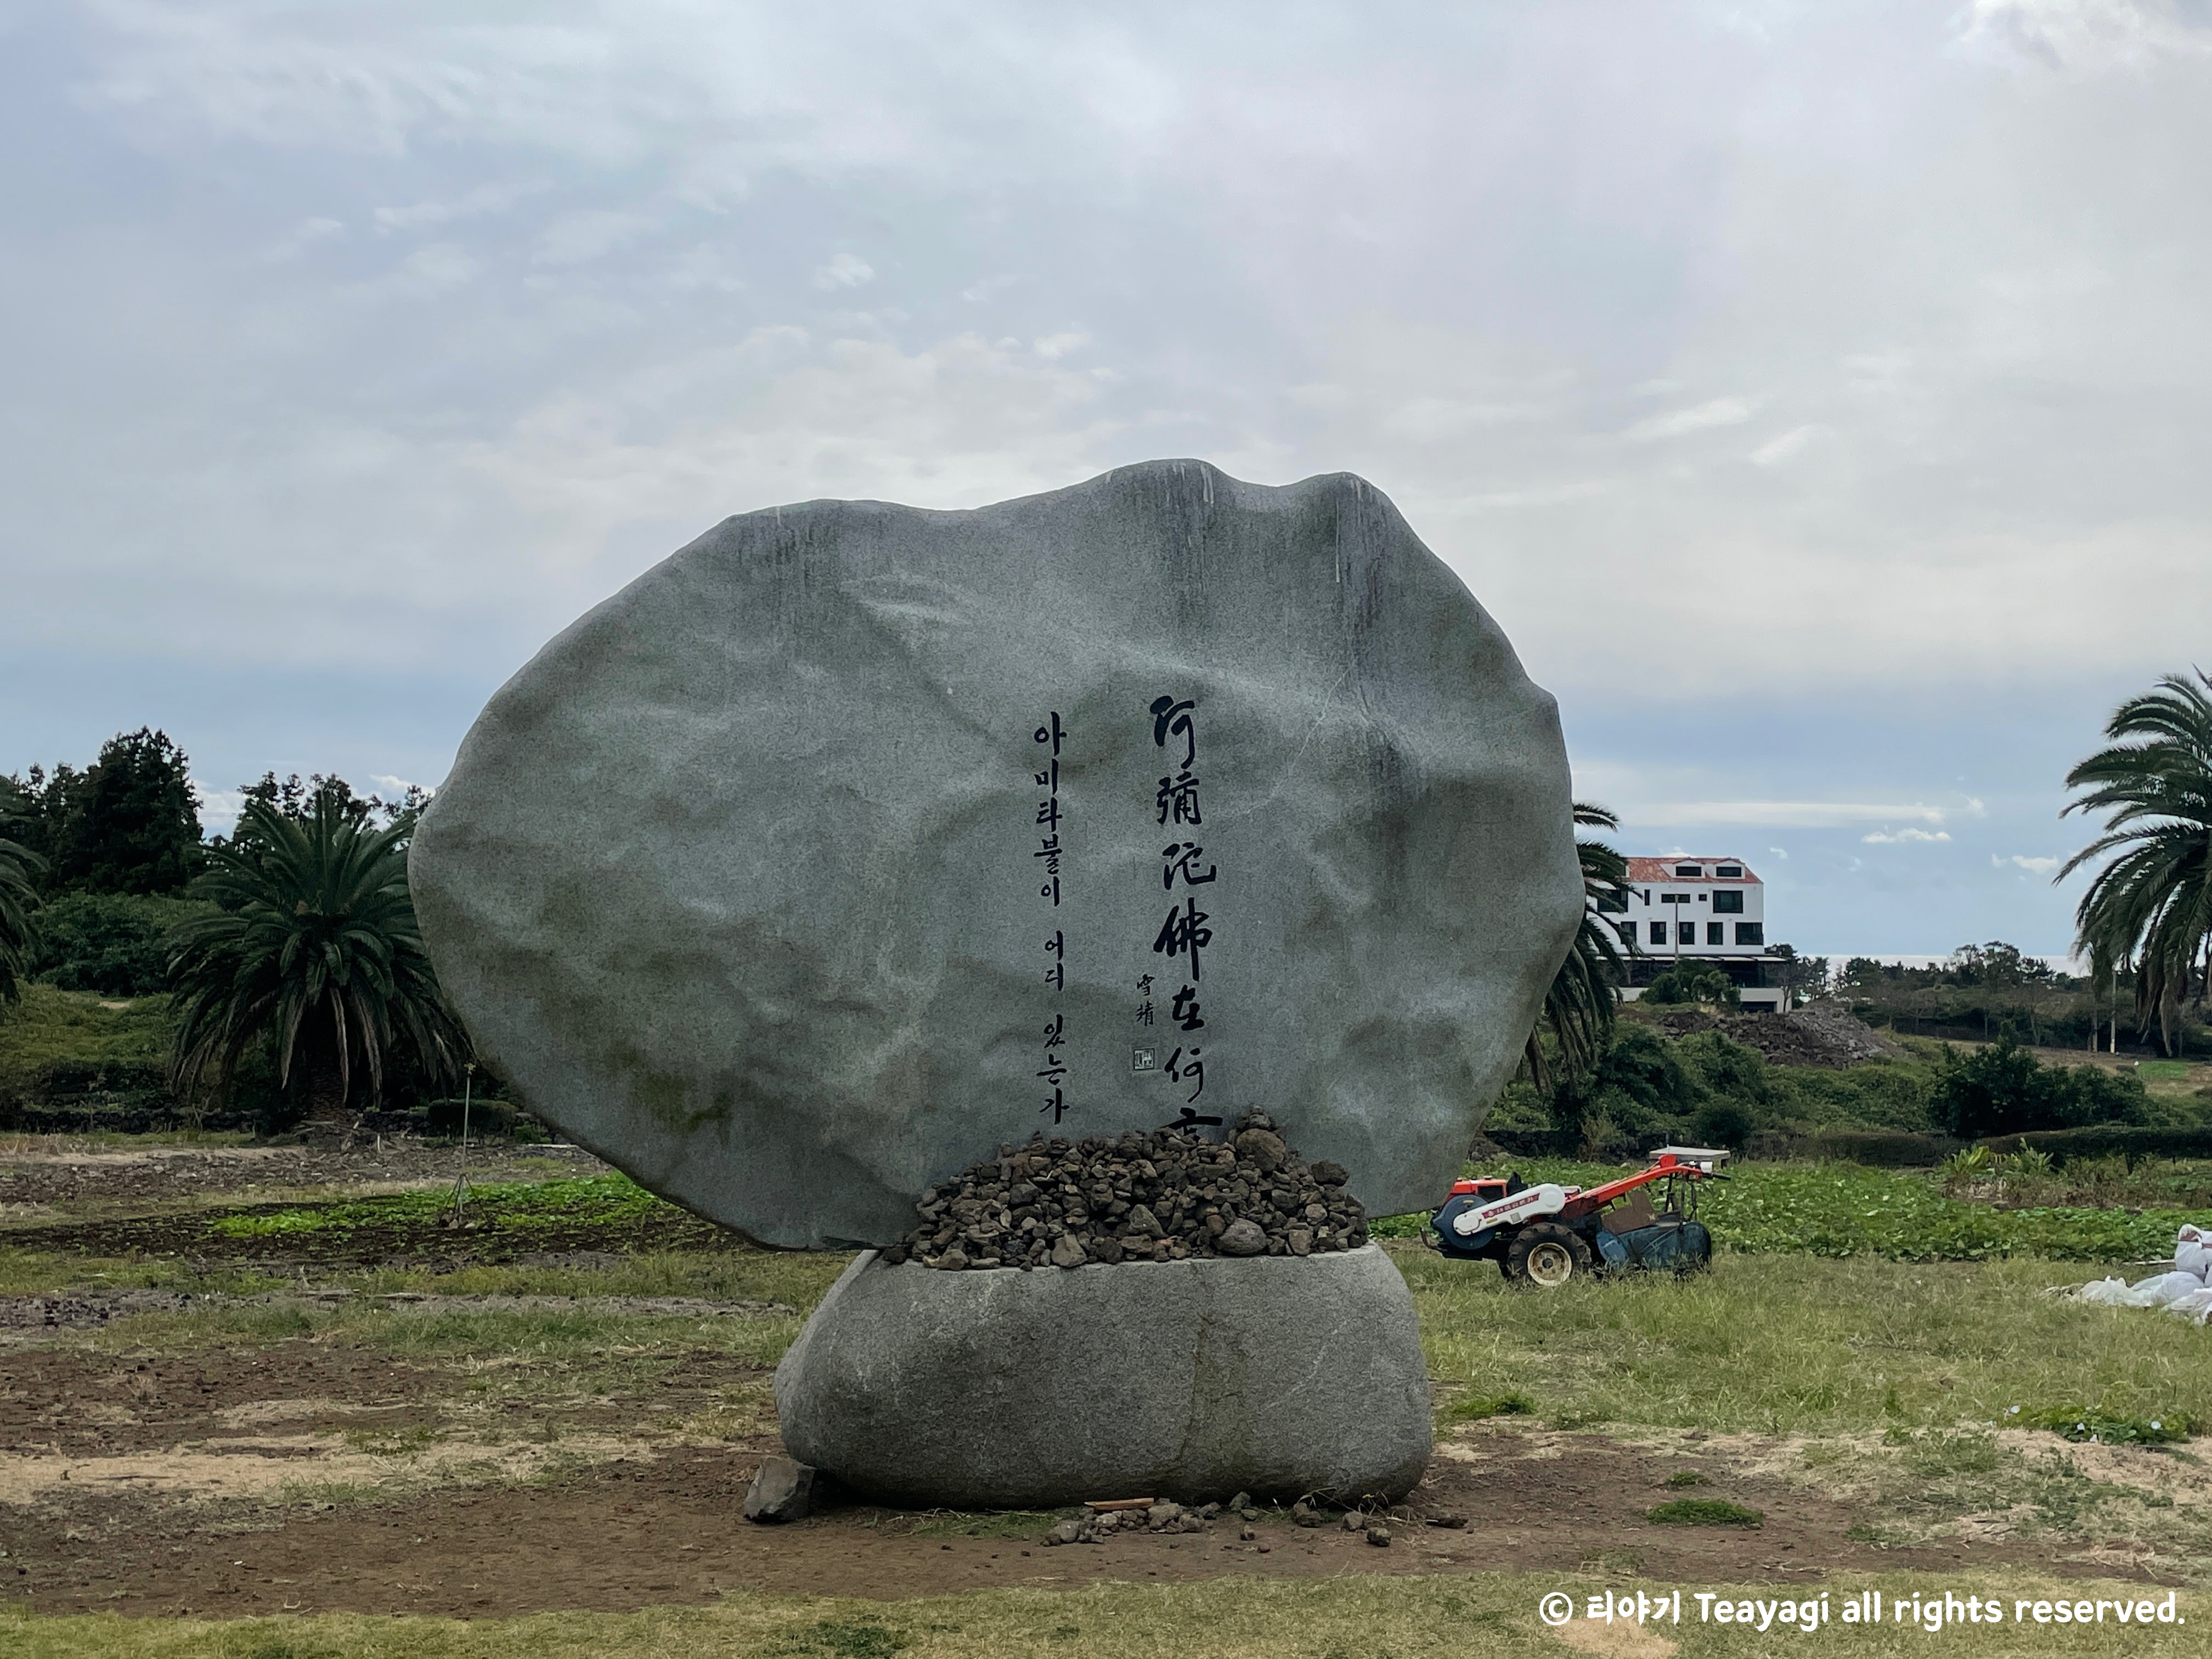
<point>19,897</point>
<point>1846,1210</point>
<point>519,1207</point>
<point>116,944</point>
<point>313,948</point>
<point>2106,1428</point>
<point>2150,903</point>
<point>1693,984</point>
<point>1704,1512</point>
<point>2003,1089</point>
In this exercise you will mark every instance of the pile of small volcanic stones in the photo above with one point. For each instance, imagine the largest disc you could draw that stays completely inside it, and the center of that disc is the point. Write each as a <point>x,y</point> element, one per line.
<point>1100,1522</point>
<point>1162,1197</point>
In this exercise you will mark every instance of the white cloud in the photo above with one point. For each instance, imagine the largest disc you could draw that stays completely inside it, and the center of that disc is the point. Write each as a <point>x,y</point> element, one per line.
<point>575,238</point>
<point>2093,36</point>
<point>219,808</point>
<point>1785,814</point>
<point>844,270</point>
<point>2034,866</point>
<point>1883,838</point>
<point>489,199</point>
<point>306,235</point>
<point>1782,448</point>
<point>784,415</point>
<point>1703,417</point>
<point>431,270</point>
<point>1777,851</point>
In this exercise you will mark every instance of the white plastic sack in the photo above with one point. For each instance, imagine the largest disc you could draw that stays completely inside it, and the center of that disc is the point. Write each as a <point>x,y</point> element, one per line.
<point>2190,1233</point>
<point>2161,1289</point>
<point>2196,1306</point>
<point>2104,1293</point>
<point>2191,1257</point>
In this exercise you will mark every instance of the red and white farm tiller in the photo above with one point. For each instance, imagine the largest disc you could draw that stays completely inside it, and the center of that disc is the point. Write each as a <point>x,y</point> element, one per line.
<point>1548,1234</point>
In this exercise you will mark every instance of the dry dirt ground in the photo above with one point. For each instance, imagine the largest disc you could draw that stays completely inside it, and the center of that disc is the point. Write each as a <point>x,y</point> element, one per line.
<point>165,1452</point>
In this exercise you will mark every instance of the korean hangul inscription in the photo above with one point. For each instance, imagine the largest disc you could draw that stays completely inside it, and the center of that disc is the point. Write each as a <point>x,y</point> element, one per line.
<point>1050,817</point>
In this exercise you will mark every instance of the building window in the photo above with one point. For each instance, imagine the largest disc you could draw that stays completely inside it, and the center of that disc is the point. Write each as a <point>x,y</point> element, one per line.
<point>1627,931</point>
<point>1750,932</point>
<point>1692,870</point>
<point>1726,903</point>
<point>1658,932</point>
<point>1729,872</point>
<point>1686,933</point>
<point>1716,933</point>
<point>1610,905</point>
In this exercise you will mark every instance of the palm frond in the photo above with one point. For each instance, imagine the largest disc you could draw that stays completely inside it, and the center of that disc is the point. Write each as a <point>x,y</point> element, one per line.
<point>314,946</point>
<point>2151,903</point>
<point>1580,1003</point>
<point>19,937</point>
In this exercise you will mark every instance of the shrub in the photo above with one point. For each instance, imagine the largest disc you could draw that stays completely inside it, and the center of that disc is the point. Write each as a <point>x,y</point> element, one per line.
<point>114,943</point>
<point>1723,1123</point>
<point>1642,1084</point>
<point>2003,1089</point>
<point>1678,985</point>
<point>1725,1066</point>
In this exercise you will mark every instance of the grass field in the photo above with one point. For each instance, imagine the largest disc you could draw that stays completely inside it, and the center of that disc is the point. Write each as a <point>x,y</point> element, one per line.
<point>1865,1352</point>
<point>1847,1210</point>
<point>1459,1616</point>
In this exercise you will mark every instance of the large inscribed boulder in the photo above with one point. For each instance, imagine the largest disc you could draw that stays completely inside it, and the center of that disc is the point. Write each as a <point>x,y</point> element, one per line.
<point>853,841</point>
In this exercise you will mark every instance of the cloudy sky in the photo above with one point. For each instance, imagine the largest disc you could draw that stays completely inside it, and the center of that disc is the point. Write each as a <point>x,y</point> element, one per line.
<point>1816,392</point>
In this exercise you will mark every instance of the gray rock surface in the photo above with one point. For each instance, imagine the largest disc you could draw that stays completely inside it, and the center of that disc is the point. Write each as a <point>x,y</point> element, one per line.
<point>738,881</point>
<point>1183,1380</point>
<point>782,1490</point>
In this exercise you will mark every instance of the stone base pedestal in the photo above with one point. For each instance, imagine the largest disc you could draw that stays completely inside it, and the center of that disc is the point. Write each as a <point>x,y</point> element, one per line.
<point>1282,1376</point>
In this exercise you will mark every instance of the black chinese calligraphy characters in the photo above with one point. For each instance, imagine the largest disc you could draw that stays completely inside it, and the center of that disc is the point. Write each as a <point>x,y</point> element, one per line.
<point>1171,717</point>
<point>1185,1067</point>
<point>1184,1009</point>
<point>1144,999</point>
<point>1177,796</point>
<point>1184,934</point>
<point>1182,859</point>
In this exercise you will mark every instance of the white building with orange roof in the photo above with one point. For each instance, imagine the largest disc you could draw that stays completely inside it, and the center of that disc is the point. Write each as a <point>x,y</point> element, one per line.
<point>1709,911</point>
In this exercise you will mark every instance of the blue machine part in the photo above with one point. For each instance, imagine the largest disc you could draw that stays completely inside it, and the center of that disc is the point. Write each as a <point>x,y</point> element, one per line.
<point>1614,1252</point>
<point>1678,1246</point>
<point>1453,1243</point>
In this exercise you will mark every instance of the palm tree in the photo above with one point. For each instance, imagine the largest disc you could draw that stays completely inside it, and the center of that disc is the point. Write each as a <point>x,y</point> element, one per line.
<point>18,898</point>
<point>1579,1005</point>
<point>315,945</point>
<point>2152,903</point>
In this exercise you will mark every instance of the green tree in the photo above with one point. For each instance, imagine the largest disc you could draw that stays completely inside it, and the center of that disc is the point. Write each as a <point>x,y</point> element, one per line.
<point>116,943</point>
<point>128,823</point>
<point>313,946</point>
<point>1580,1003</point>
<point>1691,984</point>
<point>19,937</point>
<point>2152,903</point>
